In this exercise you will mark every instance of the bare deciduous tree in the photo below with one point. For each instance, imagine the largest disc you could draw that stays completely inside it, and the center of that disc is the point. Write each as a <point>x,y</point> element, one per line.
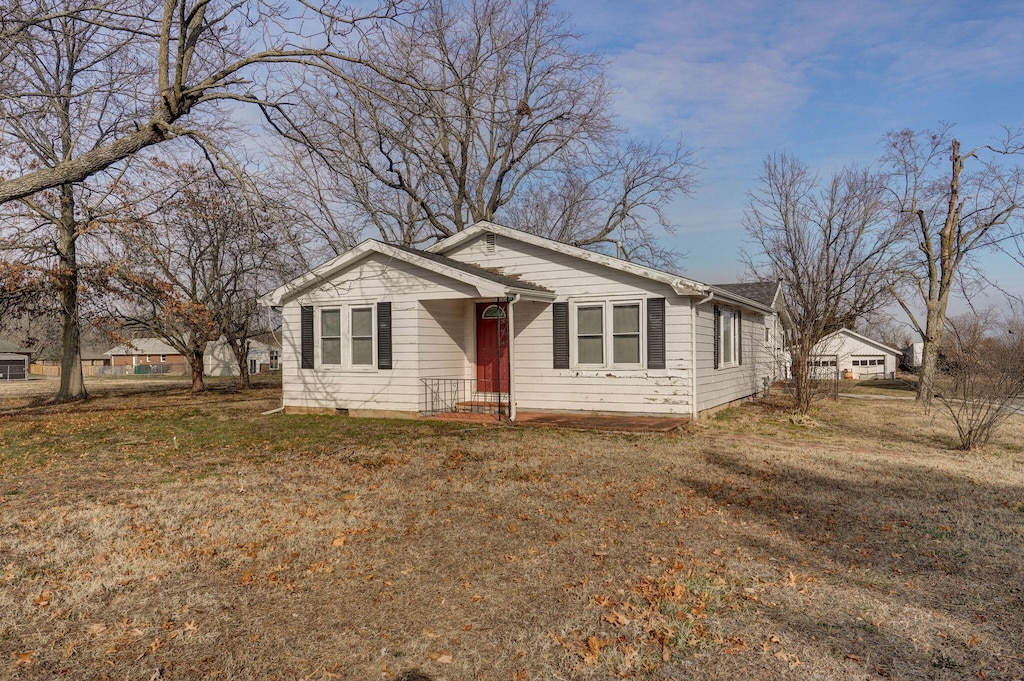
<point>982,382</point>
<point>68,86</point>
<point>828,244</point>
<point>478,106</point>
<point>946,214</point>
<point>197,53</point>
<point>87,84</point>
<point>192,271</point>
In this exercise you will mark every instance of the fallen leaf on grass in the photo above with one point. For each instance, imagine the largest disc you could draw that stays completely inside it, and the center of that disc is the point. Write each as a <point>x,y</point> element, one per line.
<point>616,618</point>
<point>441,658</point>
<point>25,658</point>
<point>593,650</point>
<point>44,599</point>
<point>339,540</point>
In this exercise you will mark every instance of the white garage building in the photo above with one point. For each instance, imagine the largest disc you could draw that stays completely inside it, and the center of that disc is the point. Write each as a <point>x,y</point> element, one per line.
<point>865,357</point>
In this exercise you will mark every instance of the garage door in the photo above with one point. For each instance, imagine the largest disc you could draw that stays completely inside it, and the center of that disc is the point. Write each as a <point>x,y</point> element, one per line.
<point>869,366</point>
<point>12,368</point>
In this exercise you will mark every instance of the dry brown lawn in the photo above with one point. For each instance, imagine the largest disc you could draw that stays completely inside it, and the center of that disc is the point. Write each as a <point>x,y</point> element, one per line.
<point>177,537</point>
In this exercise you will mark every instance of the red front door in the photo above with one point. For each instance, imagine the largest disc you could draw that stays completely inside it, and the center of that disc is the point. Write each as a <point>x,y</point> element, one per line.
<point>491,348</point>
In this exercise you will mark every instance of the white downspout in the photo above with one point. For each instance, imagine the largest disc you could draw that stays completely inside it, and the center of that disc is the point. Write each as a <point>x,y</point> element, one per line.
<point>510,302</point>
<point>694,409</point>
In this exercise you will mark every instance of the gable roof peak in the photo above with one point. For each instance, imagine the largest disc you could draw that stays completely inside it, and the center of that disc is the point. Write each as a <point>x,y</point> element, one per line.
<point>682,285</point>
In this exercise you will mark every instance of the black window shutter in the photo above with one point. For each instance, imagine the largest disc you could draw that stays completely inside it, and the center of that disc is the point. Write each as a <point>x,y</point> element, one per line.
<point>739,337</point>
<point>718,336</point>
<point>560,335</point>
<point>383,335</point>
<point>306,337</point>
<point>655,333</point>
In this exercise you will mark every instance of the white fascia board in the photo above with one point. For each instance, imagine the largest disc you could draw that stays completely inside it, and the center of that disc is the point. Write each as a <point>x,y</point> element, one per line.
<point>867,341</point>
<point>742,301</point>
<point>485,287</point>
<point>681,285</point>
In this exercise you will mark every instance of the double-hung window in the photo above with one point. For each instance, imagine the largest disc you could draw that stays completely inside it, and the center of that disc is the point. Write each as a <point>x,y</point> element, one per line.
<point>727,340</point>
<point>361,336</point>
<point>590,334</point>
<point>626,333</point>
<point>330,337</point>
<point>346,337</point>
<point>608,334</point>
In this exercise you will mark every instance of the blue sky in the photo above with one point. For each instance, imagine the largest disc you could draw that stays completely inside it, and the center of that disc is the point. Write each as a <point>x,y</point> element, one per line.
<point>739,79</point>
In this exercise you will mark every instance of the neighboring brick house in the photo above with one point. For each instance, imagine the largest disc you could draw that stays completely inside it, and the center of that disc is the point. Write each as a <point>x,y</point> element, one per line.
<point>156,356</point>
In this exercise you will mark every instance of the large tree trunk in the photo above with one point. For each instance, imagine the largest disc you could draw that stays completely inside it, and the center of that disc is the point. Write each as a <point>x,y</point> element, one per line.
<point>930,352</point>
<point>196,362</point>
<point>72,383</point>
<point>242,357</point>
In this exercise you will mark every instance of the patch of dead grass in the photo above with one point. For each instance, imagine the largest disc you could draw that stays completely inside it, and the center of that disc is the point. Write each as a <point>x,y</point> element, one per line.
<point>192,538</point>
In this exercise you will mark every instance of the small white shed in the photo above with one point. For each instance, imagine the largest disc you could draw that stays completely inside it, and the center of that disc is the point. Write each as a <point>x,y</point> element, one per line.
<point>863,356</point>
<point>219,360</point>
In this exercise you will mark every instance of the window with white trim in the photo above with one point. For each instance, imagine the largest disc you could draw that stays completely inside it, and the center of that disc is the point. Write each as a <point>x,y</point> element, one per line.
<point>626,334</point>
<point>330,337</point>
<point>727,337</point>
<point>590,335</point>
<point>361,336</point>
<point>609,334</point>
<point>347,337</point>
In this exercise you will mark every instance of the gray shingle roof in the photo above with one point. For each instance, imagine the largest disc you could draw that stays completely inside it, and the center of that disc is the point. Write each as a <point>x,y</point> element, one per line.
<point>759,291</point>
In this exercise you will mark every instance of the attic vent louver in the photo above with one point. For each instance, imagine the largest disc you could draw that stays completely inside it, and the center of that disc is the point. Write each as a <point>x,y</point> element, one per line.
<point>489,242</point>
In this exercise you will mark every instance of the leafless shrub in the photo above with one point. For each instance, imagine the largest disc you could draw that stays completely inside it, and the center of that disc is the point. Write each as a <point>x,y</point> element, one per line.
<point>827,242</point>
<point>985,377</point>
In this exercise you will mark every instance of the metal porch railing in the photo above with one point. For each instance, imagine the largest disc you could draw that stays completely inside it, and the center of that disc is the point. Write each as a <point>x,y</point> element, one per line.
<point>461,396</point>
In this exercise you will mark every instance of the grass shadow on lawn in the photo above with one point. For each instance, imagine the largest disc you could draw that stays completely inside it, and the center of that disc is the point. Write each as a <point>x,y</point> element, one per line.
<point>901,568</point>
<point>197,539</point>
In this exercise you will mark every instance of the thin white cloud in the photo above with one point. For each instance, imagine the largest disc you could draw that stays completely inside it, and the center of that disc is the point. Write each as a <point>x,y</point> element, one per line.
<point>733,73</point>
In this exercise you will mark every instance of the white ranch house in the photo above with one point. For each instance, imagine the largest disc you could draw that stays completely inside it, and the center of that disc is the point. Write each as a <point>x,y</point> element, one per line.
<point>863,357</point>
<point>497,319</point>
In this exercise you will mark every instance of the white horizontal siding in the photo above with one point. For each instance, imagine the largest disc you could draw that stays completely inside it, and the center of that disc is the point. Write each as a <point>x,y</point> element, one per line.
<point>569,277</point>
<point>726,384</point>
<point>538,386</point>
<point>445,338</point>
<point>374,279</point>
